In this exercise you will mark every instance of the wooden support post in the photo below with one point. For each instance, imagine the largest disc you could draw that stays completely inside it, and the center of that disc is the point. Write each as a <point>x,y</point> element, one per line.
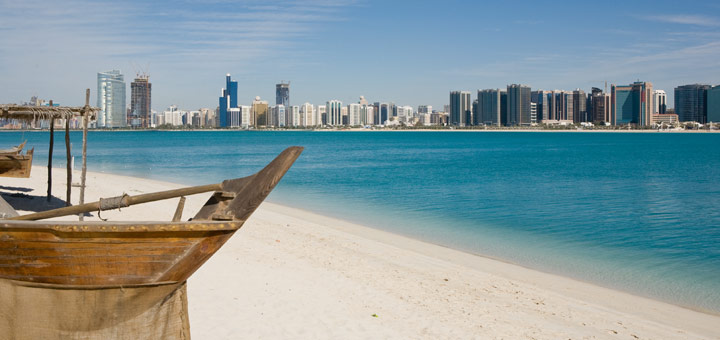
<point>69,161</point>
<point>85,117</point>
<point>179,210</point>
<point>50,154</point>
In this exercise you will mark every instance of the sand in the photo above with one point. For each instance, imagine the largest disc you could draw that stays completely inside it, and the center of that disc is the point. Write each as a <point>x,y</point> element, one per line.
<point>289,273</point>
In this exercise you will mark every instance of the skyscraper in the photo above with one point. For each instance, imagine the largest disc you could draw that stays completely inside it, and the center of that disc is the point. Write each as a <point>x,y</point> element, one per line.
<point>259,112</point>
<point>600,106</point>
<point>518,105</point>
<point>691,103</point>
<point>140,97</point>
<point>542,101</point>
<point>631,104</point>
<point>460,108</point>
<point>659,101</point>
<point>111,99</point>
<point>580,107</point>
<point>713,107</point>
<point>227,100</point>
<point>282,94</point>
<point>489,107</point>
<point>334,112</point>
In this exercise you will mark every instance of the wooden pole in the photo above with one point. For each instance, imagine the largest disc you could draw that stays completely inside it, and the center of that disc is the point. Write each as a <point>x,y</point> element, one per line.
<point>84,150</point>
<point>119,202</point>
<point>69,162</point>
<point>50,154</point>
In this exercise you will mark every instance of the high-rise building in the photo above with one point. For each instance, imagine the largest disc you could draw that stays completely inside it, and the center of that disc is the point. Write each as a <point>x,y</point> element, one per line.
<point>111,99</point>
<point>245,116</point>
<point>713,104</point>
<point>518,105</point>
<point>691,103</point>
<point>600,106</point>
<point>354,117</point>
<point>307,114</point>
<point>580,107</point>
<point>460,108</point>
<point>321,115</point>
<point>334,112</point>
<point>542,101</point>
<point>405,113</point>
<point>282,94</point>
<point>489,107</point>
<point>234,117</point>
<point>227,100</point>
<point>259,112</point>
<point>632,104</point>
<point>367,114</point>
<point>140,96</point>
<point>423,109</point>
<point>659,101</point>
<point>533,113</point>
<point>278,116</point>
<point>383,112</point>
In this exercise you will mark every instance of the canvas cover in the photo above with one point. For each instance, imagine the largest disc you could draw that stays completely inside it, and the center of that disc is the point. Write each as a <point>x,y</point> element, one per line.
<point>43,311</point>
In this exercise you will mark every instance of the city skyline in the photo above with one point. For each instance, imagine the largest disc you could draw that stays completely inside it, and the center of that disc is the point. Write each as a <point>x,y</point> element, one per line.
<point>411,54</point>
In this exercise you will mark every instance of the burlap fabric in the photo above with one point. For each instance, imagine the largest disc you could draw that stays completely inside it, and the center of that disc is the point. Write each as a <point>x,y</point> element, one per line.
<point>43,311</point>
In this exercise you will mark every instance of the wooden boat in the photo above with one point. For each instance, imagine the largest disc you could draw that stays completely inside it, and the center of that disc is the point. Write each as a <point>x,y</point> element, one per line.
<point>117,254</point>
<point>15,164</point>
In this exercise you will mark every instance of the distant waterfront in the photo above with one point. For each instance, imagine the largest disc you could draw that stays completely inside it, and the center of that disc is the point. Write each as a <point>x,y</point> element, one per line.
<point>637,212</point>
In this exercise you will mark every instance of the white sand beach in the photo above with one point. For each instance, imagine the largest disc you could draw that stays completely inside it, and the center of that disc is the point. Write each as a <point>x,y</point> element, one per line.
<point>292,274</point>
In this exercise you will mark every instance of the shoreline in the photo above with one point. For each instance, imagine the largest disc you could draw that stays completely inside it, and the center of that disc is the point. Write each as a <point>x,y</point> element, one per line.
<point>386,130</point>
<point>289,249</point>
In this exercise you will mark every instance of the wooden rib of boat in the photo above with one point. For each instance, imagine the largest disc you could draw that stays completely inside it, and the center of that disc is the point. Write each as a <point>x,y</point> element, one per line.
<point>112,254</point>
<point>14,164</point>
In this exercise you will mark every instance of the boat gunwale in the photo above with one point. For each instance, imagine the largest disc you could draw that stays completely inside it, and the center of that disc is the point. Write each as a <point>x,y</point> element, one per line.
<point>118,227</point>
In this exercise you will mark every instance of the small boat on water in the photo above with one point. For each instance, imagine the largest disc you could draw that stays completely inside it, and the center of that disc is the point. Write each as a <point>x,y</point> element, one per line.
<point>117,254</point>
<point>14,164</point>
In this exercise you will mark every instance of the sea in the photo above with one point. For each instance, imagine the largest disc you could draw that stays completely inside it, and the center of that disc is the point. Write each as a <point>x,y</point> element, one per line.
<point>637,212</point>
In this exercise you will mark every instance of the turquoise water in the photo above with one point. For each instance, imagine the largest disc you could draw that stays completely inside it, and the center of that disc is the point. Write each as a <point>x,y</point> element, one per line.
<point>636,212</point>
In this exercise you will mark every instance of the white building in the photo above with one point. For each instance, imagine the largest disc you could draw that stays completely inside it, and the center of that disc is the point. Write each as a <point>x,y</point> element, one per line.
<point>293,116</point>
<point>321,114</point>
<point>405,114</point>
<point>111,100</point>
<point>277,116</point>
<point>334,112</point>
<point>234,117</point>
<point>307,115</point>
<point>367,115</point>
<point>354,114</point>
<point>245,116</point>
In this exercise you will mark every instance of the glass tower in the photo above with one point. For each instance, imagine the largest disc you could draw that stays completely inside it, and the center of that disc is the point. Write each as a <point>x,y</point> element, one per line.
<point>111,99</point>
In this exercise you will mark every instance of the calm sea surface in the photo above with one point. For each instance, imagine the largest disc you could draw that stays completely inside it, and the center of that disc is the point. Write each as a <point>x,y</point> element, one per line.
<point>637,212</point>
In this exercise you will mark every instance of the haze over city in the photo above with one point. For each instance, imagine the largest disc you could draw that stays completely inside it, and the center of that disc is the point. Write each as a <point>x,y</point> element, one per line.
<point>411,53</point>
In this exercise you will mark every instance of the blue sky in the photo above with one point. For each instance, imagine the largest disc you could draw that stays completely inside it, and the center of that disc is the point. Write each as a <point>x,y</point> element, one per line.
<point>408,52</point>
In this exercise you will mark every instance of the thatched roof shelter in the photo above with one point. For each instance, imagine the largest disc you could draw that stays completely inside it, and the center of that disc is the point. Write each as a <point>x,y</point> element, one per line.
<point>35,113</point>
<point>51,113</point>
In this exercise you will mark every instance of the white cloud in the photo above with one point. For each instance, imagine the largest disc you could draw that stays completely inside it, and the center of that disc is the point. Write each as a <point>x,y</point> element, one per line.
<point>698,20</point>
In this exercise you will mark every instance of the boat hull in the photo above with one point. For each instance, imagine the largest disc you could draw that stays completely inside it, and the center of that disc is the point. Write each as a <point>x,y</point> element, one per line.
<point>16,165</point>
<point>108,254</point>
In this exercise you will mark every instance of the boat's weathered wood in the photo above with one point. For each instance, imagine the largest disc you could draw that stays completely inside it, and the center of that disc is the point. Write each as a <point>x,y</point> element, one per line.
<point>118,202</point>
<point>16,165</point>
<point>50,155</point>
<point>126,253</point>
<point>179,210</point>
<point>68,163</point>
<point>83,173</point>
<point>14,150</point>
